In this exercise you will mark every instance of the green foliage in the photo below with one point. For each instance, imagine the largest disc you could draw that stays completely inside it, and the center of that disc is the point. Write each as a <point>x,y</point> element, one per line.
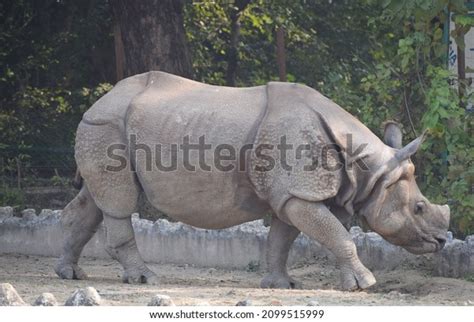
<point>448,156</point>
<point>54,68</point>
<point>59,181</point>
<point>469,278</point>
<point>409,82</point>
<point>12,197</point>
<point>322,40</point>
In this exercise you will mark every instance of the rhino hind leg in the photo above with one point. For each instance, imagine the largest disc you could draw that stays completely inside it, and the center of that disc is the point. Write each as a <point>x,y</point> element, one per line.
<point>280,239</point>
<point>80,220</point>
<point>115,190</point>
<point>315,220</point>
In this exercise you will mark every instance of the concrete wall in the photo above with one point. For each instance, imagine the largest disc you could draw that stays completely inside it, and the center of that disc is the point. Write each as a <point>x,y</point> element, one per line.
<point>238,247</point>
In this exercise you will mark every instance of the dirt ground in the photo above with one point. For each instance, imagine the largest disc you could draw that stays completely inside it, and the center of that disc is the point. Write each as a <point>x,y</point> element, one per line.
<point>187,285</point>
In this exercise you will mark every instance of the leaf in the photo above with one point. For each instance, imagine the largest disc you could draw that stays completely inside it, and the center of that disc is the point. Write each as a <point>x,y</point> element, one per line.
<point>464,20</point>
<point>443,113</point>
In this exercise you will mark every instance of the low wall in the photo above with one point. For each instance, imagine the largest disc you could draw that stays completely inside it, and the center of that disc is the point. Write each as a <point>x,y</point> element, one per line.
<point>242,246</point>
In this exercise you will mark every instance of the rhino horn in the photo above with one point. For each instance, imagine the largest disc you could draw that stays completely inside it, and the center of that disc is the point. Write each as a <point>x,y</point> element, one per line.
<point>410,149</point>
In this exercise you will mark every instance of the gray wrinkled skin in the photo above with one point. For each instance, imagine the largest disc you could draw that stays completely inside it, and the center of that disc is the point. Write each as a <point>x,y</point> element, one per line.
<point>160,108</point>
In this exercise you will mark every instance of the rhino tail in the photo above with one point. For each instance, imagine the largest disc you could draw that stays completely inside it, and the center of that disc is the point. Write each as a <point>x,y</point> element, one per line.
<point>77,181</point>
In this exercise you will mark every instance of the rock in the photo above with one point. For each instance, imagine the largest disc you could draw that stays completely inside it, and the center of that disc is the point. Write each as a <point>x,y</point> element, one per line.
<point>276,303</point>
<point>211,271</point>
<point>6,212</point>
<point>244,303</point>
<point>9,296</point>
<point>470,240</point>
<point>203,303</point>
<point>456,259</point>
<point>161,300</point>
<point>84,297</point>
<point>29,214</point>
<point>356,230</point>
<point>46,299</point>
<point>313,303</point>
<point>394,294</point>
<point>449,236</point>
<point>46,213</point>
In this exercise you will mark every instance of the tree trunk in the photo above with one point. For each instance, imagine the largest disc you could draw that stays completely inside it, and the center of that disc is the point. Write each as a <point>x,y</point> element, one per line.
<point>153,36</point>
<point>280,53</point>
<point>119,53</point>
<point>233,52</point>
<point>461,73</point>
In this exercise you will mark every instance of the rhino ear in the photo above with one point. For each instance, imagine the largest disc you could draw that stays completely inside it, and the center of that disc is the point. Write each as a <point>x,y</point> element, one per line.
<point>410,149</point>
<point>392,134</point>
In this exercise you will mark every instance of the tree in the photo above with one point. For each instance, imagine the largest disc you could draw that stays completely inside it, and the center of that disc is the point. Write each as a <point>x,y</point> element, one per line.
<point>153,36</point>
<point>233,55</point>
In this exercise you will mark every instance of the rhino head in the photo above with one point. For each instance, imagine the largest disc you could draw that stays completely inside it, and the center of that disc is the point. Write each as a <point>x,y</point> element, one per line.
<point>396,209</point>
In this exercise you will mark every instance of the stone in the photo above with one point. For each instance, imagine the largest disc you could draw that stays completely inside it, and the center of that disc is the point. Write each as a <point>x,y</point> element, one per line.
<point>449,236</point>
<point>246,302</point>
<point>203,303</point>
<point>275,303</point>
<point>46,299</point>
<point>84,297</point>
<point>394,294</point>
<point>356,230</point>
<point>456,259</point>
<point>470,240</point>
<point>161,300</point>
<point>6,212</point>
<point>29,214</point>
<point>312,303</point>
<point>46,213</point>
<point>9,296</point>
<point>211,270</point>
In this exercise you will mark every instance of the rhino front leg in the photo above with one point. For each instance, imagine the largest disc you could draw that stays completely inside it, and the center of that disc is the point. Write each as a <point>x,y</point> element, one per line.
<point>280,239</point>
<point>315,220</point>
<point>121,245</point>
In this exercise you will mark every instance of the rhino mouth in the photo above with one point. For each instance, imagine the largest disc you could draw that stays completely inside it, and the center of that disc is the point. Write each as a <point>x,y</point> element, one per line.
<point>428,245</point>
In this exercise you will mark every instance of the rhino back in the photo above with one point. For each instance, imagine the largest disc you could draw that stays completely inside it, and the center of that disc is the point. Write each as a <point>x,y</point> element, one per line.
<point>113,106</point>
<point>172,108</point>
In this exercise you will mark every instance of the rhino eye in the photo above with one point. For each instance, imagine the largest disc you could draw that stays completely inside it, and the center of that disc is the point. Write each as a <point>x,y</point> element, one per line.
<point>420,207</point>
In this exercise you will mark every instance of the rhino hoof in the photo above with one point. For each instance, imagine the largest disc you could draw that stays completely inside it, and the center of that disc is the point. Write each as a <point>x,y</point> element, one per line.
<point>354,279</point>
<point>70,272</point>
<point>147,277</point>
<point>279,281</point>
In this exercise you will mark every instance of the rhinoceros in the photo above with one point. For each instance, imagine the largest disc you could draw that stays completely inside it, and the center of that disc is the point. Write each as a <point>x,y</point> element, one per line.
<point>214,157</point>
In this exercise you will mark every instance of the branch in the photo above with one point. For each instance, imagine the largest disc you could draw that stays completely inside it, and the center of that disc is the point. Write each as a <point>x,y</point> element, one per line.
<point>408,112</point>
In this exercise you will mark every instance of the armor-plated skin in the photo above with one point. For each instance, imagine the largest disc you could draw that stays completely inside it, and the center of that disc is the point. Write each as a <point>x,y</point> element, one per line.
<point>354,173</point>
